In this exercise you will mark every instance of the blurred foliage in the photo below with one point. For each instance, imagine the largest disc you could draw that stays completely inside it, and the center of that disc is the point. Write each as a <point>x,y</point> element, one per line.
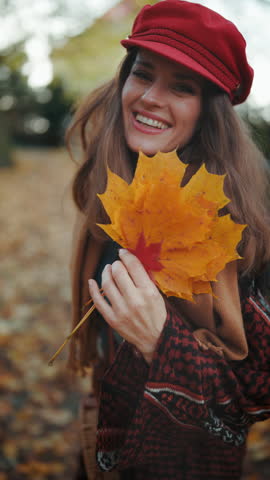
<point>11,59</point>
<point>259,124</point>
<point>39,117</point>
<point>91,58</point>
<point>58,19</point>
<point>28,116</point>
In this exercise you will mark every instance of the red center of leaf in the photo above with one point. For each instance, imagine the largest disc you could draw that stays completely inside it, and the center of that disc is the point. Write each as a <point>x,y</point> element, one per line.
<point>148,255</point>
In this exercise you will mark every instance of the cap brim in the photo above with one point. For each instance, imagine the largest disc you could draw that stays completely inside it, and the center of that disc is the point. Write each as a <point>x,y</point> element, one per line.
<point>176,56</point>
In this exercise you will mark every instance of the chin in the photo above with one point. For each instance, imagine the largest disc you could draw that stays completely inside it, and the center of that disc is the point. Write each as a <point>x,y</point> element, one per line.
<point>148,150</point>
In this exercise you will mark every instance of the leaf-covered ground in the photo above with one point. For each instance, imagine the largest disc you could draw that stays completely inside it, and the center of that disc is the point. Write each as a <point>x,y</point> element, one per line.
<point>39,404</point>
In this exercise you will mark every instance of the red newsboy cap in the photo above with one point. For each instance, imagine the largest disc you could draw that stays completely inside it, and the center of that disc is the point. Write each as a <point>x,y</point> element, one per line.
<point>199,38</point>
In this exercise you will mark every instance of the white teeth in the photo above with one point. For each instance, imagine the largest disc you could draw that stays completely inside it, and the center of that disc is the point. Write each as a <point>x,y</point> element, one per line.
<point>151,122</point>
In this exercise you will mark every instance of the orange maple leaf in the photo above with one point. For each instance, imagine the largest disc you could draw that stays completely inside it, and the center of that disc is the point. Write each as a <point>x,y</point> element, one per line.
<point>175,231</point>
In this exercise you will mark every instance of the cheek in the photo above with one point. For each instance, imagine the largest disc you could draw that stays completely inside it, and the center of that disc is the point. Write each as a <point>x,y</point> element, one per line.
<point>124,99</point>
<point>131,93</point>
<point>128,93</point>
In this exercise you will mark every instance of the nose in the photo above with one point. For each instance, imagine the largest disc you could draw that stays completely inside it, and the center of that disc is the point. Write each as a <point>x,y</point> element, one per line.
<point>154,95</point>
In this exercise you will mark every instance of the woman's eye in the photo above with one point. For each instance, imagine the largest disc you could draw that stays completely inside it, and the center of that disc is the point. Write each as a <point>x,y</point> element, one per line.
<point>142,74</point>
<point>185,88</point>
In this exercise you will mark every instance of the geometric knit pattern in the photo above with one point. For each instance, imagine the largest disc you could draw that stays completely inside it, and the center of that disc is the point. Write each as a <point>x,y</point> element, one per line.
<point>187,415</point>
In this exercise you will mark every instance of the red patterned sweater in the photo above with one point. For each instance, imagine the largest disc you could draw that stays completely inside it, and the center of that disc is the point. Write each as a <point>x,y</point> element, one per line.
<point>187,415</point>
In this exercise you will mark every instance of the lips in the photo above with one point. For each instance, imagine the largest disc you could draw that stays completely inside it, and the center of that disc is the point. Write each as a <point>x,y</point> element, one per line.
<point>149,123</point>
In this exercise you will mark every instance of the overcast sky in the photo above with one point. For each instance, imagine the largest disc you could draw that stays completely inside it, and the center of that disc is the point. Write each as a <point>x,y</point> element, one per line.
<point>35,19</point>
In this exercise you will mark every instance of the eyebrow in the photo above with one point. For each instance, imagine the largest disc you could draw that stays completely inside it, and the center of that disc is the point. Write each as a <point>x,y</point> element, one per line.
<point>144,63</point>
<point>178,76</point>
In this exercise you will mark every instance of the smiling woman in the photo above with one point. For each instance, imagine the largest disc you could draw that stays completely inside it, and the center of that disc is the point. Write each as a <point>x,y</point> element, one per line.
<point>178,382</point>
<point>161,102</point>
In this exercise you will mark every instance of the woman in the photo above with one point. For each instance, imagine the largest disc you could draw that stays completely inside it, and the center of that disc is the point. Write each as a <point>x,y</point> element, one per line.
<point>189,378</point>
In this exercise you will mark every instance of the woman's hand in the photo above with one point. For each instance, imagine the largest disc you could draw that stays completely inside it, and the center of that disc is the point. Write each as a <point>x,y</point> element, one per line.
<point>137,310</point>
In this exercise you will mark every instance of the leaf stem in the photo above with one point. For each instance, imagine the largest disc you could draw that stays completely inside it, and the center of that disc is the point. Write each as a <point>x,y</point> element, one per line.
<point>50,363</point>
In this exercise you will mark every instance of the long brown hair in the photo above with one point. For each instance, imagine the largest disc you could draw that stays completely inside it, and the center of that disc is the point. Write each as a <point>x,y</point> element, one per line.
<point>222,142</point>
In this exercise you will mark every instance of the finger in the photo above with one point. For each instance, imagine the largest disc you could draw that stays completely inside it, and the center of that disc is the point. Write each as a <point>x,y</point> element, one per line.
<point>100,303</point>
<point>122,279</point>
<point>135,269</point>
<point>112,292</point>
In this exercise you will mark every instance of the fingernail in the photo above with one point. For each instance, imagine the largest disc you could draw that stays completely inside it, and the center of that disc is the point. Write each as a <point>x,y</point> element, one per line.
<point>122,251</point>
<point>90,283</point>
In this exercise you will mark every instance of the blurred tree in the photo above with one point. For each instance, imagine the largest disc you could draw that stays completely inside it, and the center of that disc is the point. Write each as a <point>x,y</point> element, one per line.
<point>84,61</point>
<point>28,116</point>
<point>259,123</point>
<point>5,150</point>
<point>42,121</point>
<point>11,59</point>
<point>92,57</point>
<point>57,19</point>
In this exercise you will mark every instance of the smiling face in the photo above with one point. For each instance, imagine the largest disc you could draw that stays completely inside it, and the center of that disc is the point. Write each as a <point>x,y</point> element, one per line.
<point>161,103</point>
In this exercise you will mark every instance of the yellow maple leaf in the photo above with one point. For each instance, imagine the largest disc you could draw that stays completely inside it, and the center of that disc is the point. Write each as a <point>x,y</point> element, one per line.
<point>176,232</point>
